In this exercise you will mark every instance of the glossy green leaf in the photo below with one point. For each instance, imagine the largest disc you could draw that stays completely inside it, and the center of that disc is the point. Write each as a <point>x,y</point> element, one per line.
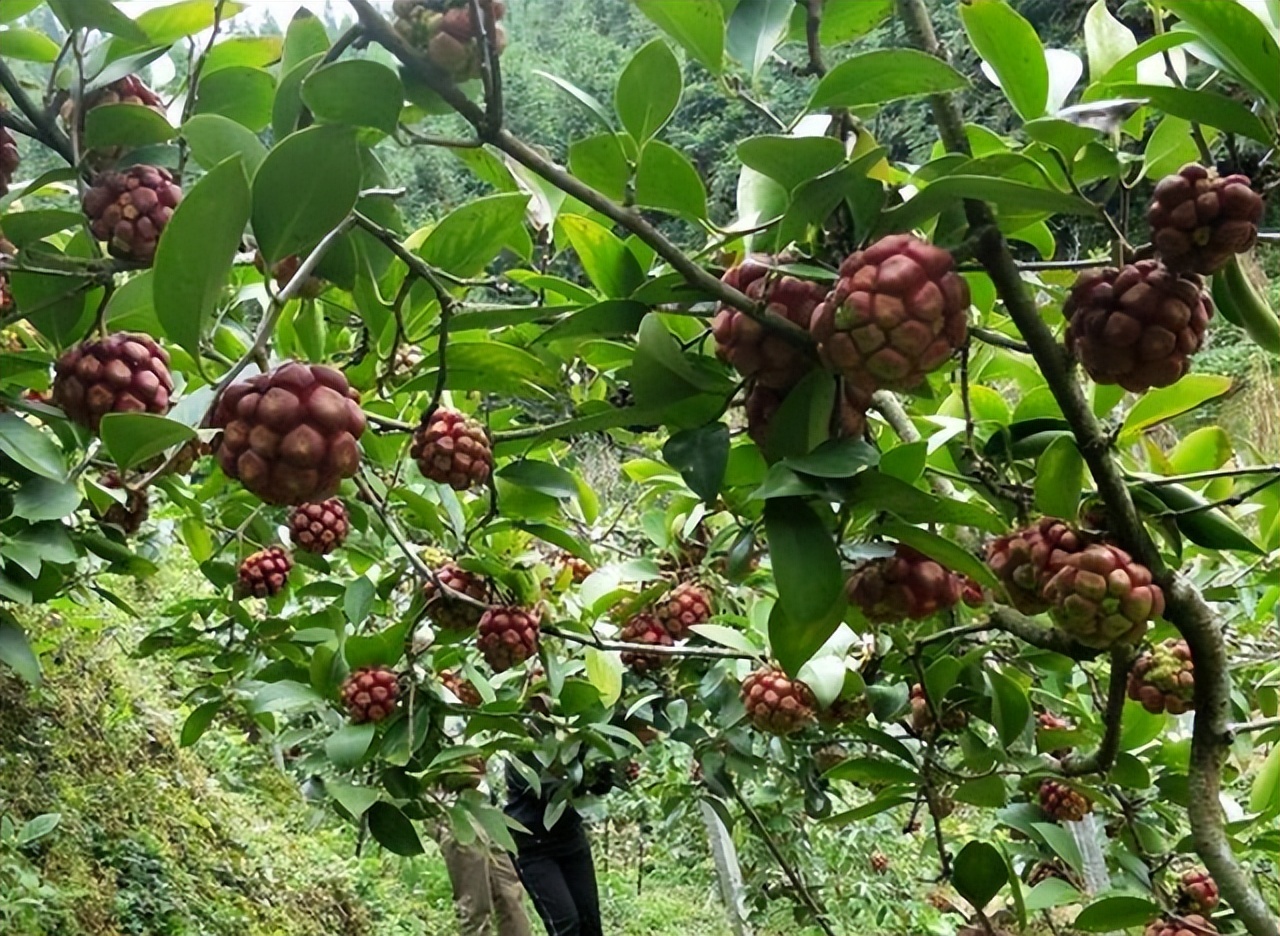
<point>609,263</point>
<point>1006,194</point>
<point>213,139</point>
<point>97,14</point>
<point>698,25</point>
<point>803,421</point>
<point>600,162</point>
<point>1204,527</point>
<point>590,102</point>
<point>242,94</point>
<point>791,160</point>
<point>45,499</point>
<point>357,600</point>
<point>1113,913</point>
<point>198,722</point>
<point>197,251</point>
<point>286,109</point>
<point>132,438</point>
<point>916,506</point>
<point>1009,44</point>
<point>347,746</point>
<point>1169,147</point>
<point>756,29</point>
<point>1059,478</point>
<point>979,873</point>
<point>1264,797</point>
<point>1205,449</point>
<point>125,125</point>
<point>65,308</point>
<point>354,799</point>
<point>806,567</point>
<point>541,476</point>
<point>27,45</point>
<point>468,239</point>
<point>648,91</point>
<point>358,92</point>
<point>167,24</point>
<point>253,51</point>
<point>16,652</point>
<point>701,456</point>
<point>29,447</point>
<point>1050,893</point>
<point>10,10</point>
<point>667,180</point>
<point>1204,107</point>
<point>987,792</point>
<point>883,76</point>
<point>303,39</point>
<point>843,22</point>
<point>873,770</point>
<point>1010,707</point>
<point>304,189</point>
<point>941,549</point>
<point>1238,38</point>
<point>392,830</point>
<point>1158,406</point>
<point>1106,39</point>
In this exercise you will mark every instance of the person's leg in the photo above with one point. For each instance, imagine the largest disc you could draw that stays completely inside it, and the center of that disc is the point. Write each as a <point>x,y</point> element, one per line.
<point>579,871</point>
<point>552,895</point>
<point>468,867</point>
<point>508,896</point>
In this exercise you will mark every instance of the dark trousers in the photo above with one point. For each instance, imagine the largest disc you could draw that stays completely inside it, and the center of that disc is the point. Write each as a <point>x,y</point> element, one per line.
<point>562,883</point>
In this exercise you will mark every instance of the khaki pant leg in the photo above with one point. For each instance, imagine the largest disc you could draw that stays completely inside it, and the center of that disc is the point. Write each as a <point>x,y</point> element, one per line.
<point>468,867</point>
<point>508,896</point>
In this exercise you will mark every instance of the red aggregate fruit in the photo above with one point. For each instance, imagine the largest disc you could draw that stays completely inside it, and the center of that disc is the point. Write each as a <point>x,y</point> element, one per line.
<point>1192,925</point>
<point>290,436</point>
<point>451,448</point>
<point>285,270</point>
<point>1048,721</point>
<point>7,249</point>
<point>449,611</point>
<point>130,515</point>
<point>129,210</point>
<point>759,353</point>
<point>1137,327</point>
<point>508,637</point>
<point>879,862</point>
<point>1197,892</point>
<point>462,689</point>
<point>762,405</point>
<point>898,312</point>
<point>681,608</point>
<point>777,704</point>
<point>10,159</point>
<point>319,528</point>
<point>1026,559</point>
<point>1063,803</point>
<point>922,720</point>
<point>370,694</point>
<point>1164,678</point>
<point>579,568</point>
<point>1199,219</point>
<point>907,586</point>
<point>645,629</point>
<point>265,573</point>
<point>122,373</point>
<point>447,32</point>
<point>1102,597</point>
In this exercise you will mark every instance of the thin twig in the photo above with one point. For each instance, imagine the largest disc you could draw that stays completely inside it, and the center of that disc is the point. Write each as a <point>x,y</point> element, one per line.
<point>705,653</point>
<point>994,338</point>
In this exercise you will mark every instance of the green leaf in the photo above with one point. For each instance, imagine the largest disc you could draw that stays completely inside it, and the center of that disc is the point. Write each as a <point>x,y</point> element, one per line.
<point>358,92</point>
<point>254,51</point>
<point>38,828</point>
<point>698,25</point>
<point>198,722</point>
<point>392,830</point>
<point>27,45</point>
<point>835,458</point>
<point>1059,478</point>
<point>1264,797</point>
<point>886,75</point>
<point>604,671</point>
<point>608,262</point>
<point>1239,38</point>
<point>1211,529</point>
<point>1052,892</point>
<point>44,499</point>
<point>304,39</point>
<point>1061,842</point>
<point>195,256</point>
<point>701,456</point>
<point>65,310</point>
<point>354,799</point>
<point>242,94</point>
<point>29,447</point>
<point>1169,147</point>
<point>167,24</point>
<point>942,550</point>
<point>347,746</point>
<point>125,125</point>
<point>214,138</point>
<point>1106,39</point>
<point>648,91</point>
<point>1006,194</point>
<point>916,506</point>
<point>357,600</point>
<point>1206,449</point>
<point>987,792</point>
<point>614,317</point>
<point>1204,107</point>
<point>726,637</point>
<point>15,650</point>
<point>1009,44</point>
<point>1111,914</point>
<point>600,162</point>
<point>10,10</point>
<point>979,873</point>
<point>803,421</point>
<point>873,770</point>
<point>286,109</point>
<point>304,189</point>
<point>592,104</point>
<point>810,583</point>
<point>97,14</point>
<point>1010,707</point>
<point>791,160</point>
<point>667,180</point>
<point>468,239</point>
<point>756,29</point>
<point>541,476</point>
<point>1158,406</point>
<point>843,22</point>
<point>132,438</point>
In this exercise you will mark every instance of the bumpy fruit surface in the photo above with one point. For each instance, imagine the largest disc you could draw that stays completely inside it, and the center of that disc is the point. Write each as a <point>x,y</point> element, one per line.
<point>265,573</point>
<point>1197,892</point>
<point>1102,597</point>
<point>127,90</point>
<point>762,405</point>
<point>447,31</point>
<point>776,703</point>
<point>320,528</point>
<point>579,568</point>
<point>129,210</point>
<point>10,159</point>
<point>1063,803</point>
<point>370,694</point>
<point>508,637</point>
<point>1047,721</point>
<point>1137,327</point>
<point>130,515</point>
<point>6,250</point>
<point>846,711</point>
<point>645,629</point>
<point>462,690</point>
<point>633,771</point>
<point>1164,679</point>
<point>756,352</point>
<point>1025,560</point>
<point>907,586</point>
<point>1199,220</point>
<point>448,611</point>
<point>122,373</point>
<point>289,436</point>
<point>879,862</point>
<point>681,608</point>
<point>453,449</point>
<point>898,311</point>
<point>1193,925</point>
<point>285,270</point>
<point>922,720</point>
